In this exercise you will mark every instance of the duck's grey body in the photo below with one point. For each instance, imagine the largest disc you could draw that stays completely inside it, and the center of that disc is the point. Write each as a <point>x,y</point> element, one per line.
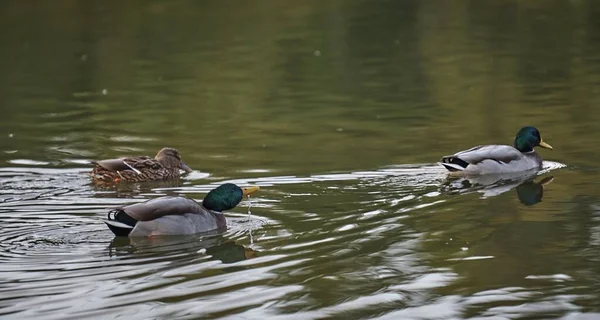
<point>164,216</point>
<point>499,159</point>
<point>177,215</point>
<point>182,224</point>
<point>491,159</point>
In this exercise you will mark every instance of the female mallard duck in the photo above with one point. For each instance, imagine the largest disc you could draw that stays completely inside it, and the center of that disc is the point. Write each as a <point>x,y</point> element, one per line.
<point>164,166</point>
<point>176,215</point>
<point>499,158</point>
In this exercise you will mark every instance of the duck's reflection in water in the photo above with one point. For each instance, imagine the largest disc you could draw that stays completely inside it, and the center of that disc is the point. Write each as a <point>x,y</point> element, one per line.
<point>214,246</point>
<point>529,190</point>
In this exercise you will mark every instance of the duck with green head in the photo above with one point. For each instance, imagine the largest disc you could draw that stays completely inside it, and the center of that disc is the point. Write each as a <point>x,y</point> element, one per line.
<point>177,215</point>
<point>497,159</point>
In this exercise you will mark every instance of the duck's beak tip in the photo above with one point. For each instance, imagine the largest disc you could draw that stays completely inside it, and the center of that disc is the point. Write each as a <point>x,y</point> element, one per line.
<point>185,168</point>
<point>545,145</point>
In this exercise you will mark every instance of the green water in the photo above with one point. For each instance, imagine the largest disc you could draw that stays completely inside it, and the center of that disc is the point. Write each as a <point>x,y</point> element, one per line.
<point>340,111</point>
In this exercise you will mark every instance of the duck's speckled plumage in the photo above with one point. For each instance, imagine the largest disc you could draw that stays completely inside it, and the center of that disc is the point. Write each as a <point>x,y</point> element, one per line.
<point>164,166</point>
<point>497,159</point>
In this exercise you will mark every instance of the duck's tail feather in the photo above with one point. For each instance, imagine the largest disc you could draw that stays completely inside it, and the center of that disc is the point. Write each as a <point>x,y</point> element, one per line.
<point>453,163</point>
<point>118,228</point>
<point>120,223</point>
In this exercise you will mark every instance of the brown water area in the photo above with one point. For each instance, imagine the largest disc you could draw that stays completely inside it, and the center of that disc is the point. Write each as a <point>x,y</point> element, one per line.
<point>340,112</point>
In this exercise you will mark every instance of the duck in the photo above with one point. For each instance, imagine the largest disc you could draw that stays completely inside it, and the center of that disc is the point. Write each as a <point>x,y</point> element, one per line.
<point>499,159</point>
<point>164,166</point>
<point>169,215</point>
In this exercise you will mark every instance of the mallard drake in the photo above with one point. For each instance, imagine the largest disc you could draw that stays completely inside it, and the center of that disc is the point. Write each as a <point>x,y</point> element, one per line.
<point>495,159</point>
<point>165,165</point>
<point>177,215</point>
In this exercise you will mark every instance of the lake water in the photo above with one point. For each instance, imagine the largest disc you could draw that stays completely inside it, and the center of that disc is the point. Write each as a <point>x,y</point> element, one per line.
<point>340,111</point>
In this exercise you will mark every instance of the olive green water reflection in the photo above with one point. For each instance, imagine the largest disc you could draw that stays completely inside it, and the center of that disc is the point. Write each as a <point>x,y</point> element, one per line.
<point>339,110</point>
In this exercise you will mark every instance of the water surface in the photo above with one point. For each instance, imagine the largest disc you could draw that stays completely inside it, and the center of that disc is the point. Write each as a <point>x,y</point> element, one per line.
<point>339,110</point>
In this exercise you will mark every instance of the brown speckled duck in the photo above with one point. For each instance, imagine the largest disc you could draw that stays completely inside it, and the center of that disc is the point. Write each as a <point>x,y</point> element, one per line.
<point>164,166</point>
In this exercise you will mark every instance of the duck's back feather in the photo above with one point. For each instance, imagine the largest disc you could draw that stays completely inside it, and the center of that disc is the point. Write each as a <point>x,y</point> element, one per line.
<point>477,154</point>
<point>122,164</point>
<point>159,207</point>
<point>132,169</point>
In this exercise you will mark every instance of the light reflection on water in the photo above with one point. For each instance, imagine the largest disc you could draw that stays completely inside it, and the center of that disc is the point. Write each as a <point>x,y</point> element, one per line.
<point>57,249</point>
<point>339,111</point>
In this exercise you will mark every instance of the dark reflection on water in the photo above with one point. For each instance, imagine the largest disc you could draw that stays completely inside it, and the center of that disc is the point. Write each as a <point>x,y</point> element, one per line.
<point>529,191</point>
<point>226,251</point>
<point>339,111</point>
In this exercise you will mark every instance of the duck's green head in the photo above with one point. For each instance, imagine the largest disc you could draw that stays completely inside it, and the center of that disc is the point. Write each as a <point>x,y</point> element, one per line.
<point>528,138</point>
<point>226,197</point>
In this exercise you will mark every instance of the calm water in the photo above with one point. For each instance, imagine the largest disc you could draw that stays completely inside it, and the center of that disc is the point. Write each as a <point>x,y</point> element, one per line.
<point>339,110</point>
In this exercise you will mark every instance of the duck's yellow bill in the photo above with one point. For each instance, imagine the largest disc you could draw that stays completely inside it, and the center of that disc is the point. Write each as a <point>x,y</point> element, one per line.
<point>545,145</point>
<point>250,190</point>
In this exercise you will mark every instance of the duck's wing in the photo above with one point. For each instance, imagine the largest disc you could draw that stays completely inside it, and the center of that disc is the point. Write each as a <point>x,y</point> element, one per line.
<point>131,163</point>
<point>159,207</point>
<point>501,154</point>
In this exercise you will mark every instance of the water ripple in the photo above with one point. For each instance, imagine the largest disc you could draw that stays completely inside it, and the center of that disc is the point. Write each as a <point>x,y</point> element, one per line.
<point>358,231</point>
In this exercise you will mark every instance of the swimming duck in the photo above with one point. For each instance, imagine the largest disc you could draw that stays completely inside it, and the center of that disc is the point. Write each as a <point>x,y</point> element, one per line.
<point>165,165</point>
<point>490,159</point>
<point>177,215</point>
